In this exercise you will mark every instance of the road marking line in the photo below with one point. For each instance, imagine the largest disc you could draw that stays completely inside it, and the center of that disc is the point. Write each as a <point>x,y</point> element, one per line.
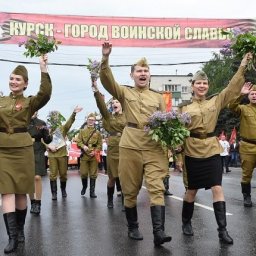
<point>197,204</point>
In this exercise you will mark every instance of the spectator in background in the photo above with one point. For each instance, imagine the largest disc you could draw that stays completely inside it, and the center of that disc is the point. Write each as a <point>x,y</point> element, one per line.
<point>38,131</point>
<point>234,152</point>
<point>104,154</point>
<point>225,154</point>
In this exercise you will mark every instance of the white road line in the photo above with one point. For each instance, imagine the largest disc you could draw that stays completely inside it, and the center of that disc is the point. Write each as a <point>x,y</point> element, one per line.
<point>197,204</point>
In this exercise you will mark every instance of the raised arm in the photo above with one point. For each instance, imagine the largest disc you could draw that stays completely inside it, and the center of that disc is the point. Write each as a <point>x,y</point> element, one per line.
<point>71,120</point>
<point>235,85</point>
<point>45,91</point>
<point>100,101</point>
<point>106,76</point>
<point>235,104</point>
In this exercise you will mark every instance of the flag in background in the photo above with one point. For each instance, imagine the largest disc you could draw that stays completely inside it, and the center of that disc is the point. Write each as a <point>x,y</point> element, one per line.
<point>168,100</point>
<point>233,135</point>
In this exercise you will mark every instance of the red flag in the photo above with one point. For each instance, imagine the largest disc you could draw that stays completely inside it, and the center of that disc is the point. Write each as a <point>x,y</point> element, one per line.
<point>168,100</point>
<point>233,135</point>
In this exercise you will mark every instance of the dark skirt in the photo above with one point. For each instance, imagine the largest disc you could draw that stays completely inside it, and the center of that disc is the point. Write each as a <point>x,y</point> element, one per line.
<point>17,170</point>
<point>203,172</point>
<point>40,166</point>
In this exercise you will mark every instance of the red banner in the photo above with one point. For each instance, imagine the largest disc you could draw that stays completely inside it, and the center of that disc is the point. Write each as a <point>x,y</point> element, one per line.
<point>121,31</point>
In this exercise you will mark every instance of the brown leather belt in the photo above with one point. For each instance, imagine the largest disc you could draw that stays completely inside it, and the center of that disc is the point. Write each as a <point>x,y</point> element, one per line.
<point>118,134</point>
<point>202,136</point>
<point>133,125</point>
<point>249,141</point>
<point>13,130</point>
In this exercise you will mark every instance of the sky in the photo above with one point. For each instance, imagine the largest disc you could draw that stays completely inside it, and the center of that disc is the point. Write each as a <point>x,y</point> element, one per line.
<point>71,85</point>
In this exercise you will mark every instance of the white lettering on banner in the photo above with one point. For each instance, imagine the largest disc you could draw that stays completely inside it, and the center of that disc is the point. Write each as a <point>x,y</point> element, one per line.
<point>205,34</point>
<point>28,28</point>
<point>144,32</point>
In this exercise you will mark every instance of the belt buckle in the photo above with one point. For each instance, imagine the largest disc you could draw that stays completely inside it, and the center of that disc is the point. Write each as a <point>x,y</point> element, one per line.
<point>203,136</point>
<point>10,130</point>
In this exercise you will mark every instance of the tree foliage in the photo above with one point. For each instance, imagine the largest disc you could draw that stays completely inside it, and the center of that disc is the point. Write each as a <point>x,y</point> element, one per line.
<point>220,69</point>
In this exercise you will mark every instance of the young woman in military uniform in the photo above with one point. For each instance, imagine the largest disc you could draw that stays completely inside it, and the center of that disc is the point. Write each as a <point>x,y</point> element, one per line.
<point>90,141</point>
<point>58,162</point>
<point>139,155</point>
<point>247,147</point>
<point>17,165</point>
<point>202,149</point>
<point>114,123</point>
<point>38,131</point>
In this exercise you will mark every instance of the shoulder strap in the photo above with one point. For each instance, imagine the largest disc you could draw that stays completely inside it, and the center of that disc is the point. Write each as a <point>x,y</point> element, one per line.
<point>90,136</point>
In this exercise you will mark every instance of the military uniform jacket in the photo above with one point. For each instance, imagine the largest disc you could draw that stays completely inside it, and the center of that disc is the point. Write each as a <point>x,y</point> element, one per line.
<point>204,115</point>
<point>16,112</point>
<point>94,143</point>
<point>113,123</point>
<point>38,131</point>
<point>64,130</point>
<point>247,114</point>
<point>138,105</point>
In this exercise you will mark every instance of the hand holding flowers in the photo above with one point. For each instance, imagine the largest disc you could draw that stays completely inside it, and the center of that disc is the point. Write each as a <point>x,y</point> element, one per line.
<point>54,120</point>
<point>240,44</point>
<point>169,128</point>
<point>38,45</point>
<point>94,68</point>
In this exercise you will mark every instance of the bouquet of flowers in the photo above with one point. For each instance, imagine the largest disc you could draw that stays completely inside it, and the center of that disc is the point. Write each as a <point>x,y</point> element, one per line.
<point>54,119</point>
<point>169,128</point>
<point>94,68</point>
<point>240,44</point>
<point>38,45</point>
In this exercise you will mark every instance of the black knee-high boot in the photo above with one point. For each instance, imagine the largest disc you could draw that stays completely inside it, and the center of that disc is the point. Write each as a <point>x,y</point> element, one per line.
<point>187,213</point>
<point>166,186</point>
<point>63,185</point>
<point>133,225</point>
<point>37,210</point>
<point>110,192</point>
<point>10,220</point>
<point>21,217</point>
<point>53,184</point>
<point>220,214</point>
<point>32,210</point>
<point>118,187</point>
<point>84,184</point>
<point>246,190</point>
<point>158,221</point>
<point>92,188</point>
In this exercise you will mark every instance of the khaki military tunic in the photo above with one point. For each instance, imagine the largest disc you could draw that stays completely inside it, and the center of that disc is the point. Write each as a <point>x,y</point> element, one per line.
<point>114,125</point>
<point>204,115</point>
<point>89,164</point>
<point>58,162</point>
<point>247,114</point>
<point>17,166</point>
<point>139,154</point>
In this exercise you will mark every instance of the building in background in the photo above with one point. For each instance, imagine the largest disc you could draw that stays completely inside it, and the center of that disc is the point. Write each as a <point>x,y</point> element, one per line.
<point>178,85</point>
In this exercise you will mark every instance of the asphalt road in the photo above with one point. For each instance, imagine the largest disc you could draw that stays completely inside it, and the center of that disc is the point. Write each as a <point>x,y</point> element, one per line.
<point>84,226</point>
